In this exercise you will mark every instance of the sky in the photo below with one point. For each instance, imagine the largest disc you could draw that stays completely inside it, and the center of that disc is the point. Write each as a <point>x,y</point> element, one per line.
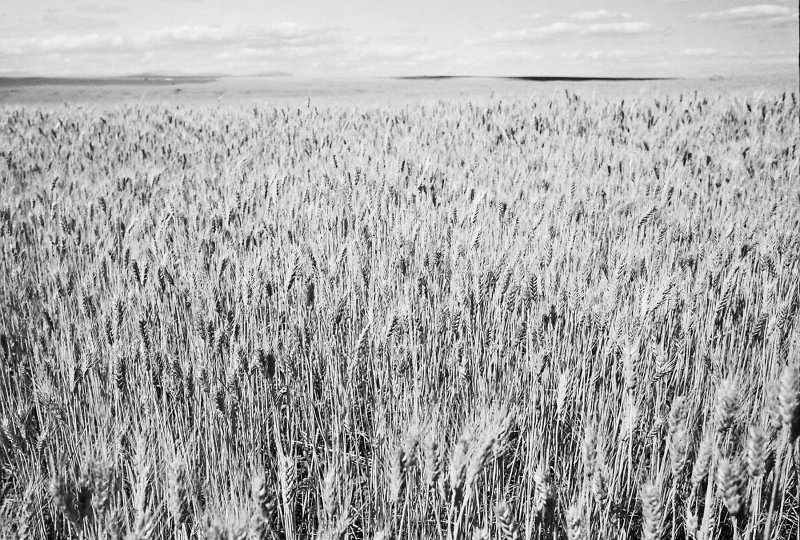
<point>357,38</point>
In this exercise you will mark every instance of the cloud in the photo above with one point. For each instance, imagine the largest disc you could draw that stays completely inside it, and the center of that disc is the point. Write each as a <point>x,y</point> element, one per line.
<point>56,21</point>
<point>235,49</point>
<point>627,27</point>
<point>278,37</point>
<point>600,14</point>
<point>769,13</point>
<point>516,55</point>
<point>61,44</point>
<point>699,51</point>
<point>601,54</point>
<point>286,35</point>
<point>106,9</point>
<point>556,29</point>
<point>77,23</point>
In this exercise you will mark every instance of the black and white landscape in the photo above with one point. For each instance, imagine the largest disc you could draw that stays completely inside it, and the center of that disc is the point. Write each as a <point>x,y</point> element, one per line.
<point>399,270</point>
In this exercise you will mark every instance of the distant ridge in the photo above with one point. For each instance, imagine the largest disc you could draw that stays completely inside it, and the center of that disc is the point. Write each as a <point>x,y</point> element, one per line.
<point>143,80</point>
<point>578,79</point>
<point>166,79</point>
<point>533,78</point>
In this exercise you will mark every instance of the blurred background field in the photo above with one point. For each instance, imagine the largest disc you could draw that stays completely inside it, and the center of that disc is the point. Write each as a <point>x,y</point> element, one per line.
<point>353,91</point>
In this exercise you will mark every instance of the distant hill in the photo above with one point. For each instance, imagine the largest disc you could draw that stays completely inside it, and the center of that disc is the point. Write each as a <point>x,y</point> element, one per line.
<point>127,80</point>
<point>531,78</point>
<point>138,79</point>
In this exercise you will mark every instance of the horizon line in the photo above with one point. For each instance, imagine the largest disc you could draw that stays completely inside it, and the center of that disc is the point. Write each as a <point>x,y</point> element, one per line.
<point>201,78</point>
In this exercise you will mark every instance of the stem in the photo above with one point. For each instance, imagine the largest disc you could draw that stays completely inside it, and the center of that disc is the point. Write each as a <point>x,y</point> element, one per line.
<point>755,504</point>
<point>450,516</point>
<point>461,512</point>
<point>402,516</point>
<point>796,458</point>
<point>438,519</point>
<point>672,496</point>
<point>708,506</point>
<point>776,477</point>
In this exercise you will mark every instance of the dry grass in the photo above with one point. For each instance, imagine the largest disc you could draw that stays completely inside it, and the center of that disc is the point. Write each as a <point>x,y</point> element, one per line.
<point>562,319</point>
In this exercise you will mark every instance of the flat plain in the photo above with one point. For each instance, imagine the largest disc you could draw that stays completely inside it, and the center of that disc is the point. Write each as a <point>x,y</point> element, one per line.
<point>373,92</point>
<point>400,309</point>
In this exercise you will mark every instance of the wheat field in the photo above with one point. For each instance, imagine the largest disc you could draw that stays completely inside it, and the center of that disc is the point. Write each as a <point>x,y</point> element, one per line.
<point>546,318</point>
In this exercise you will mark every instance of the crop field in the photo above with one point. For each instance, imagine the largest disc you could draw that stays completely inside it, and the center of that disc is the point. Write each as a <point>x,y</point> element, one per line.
<point>558,318</point>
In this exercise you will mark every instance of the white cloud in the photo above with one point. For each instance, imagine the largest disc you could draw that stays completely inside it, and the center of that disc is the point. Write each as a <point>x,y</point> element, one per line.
<point>279,37</point>
<point>77,23</point>
<point>516,55</point>
<point>286,35</point>
<point>573,29</point>
<point>102,8</point>
<point>770,13</point>
<point>699,51</point>
<point>62,44</point>
<point>600,14</point>
<point>240,49</point>
<point>627,27</point>
<point>601,54</point>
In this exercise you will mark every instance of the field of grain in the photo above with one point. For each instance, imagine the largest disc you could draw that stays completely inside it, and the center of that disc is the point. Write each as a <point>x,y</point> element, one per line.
<point>528,318</point>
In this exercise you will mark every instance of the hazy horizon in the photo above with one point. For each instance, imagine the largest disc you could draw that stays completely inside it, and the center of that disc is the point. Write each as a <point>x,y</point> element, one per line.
<point>210,76</point>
